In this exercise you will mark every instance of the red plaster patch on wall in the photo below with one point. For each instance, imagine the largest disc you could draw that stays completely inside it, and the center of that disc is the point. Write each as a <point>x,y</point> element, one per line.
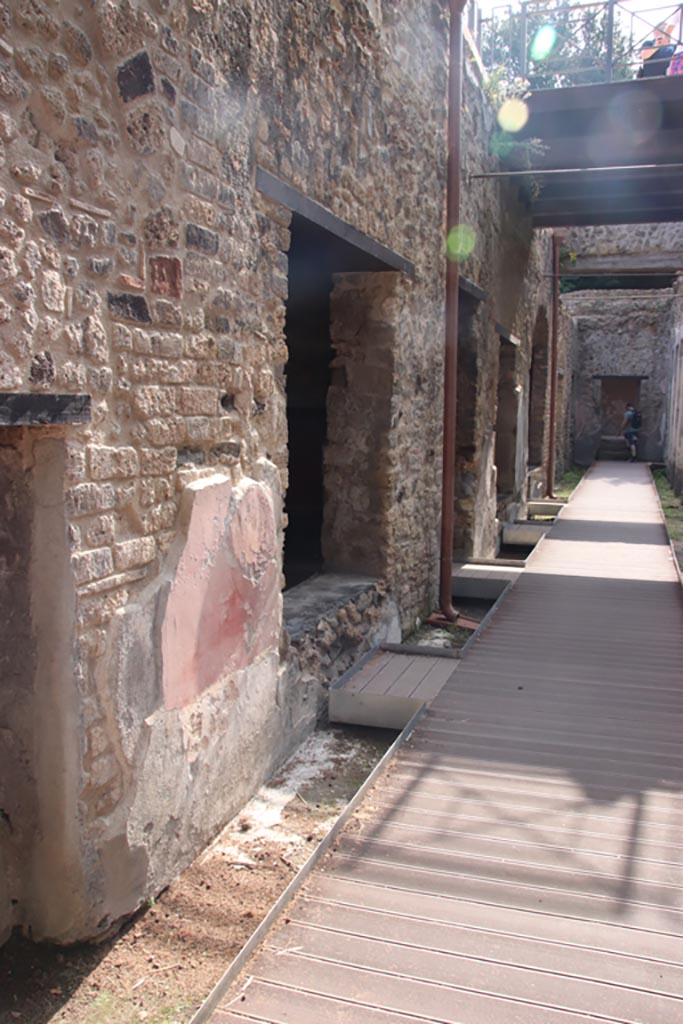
<point>223,607</point>
<point>166,276</point>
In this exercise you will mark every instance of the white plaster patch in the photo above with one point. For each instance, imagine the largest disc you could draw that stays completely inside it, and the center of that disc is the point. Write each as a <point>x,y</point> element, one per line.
<point>263,814</point>
<point>177,141</point>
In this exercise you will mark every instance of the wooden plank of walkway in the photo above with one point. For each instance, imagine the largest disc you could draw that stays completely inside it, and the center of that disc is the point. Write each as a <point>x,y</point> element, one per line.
<point>388,689</point>
<point>520,862</point>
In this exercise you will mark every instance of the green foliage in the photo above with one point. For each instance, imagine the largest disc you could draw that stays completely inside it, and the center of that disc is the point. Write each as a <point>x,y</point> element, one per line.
<point>518,154</point>
<point>579,56</point>
<point>569,482</point>
<point>672,506</point>
<point>500,85</point>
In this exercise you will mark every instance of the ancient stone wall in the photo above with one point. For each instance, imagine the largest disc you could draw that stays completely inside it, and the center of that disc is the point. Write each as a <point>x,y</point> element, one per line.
<point>623,239</point>
<point>139,265</point>
<point>620,334</point>
<point>564,443</point>
<point>652,252</point>
<point>510,262</point>
<point>674,438</point>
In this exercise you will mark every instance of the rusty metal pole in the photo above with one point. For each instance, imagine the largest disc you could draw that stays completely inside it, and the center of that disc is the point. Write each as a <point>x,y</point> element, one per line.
<point>452,282</point>
<point>554,330</point>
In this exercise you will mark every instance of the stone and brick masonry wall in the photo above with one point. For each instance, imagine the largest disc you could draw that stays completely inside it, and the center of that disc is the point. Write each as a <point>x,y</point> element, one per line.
<point>674,432</point>
<point>645,249</point>
<point>139,265</point>
<point>624,240</point>
<point>510,262</point>
<point>620,333</point>
<point>564,437</point>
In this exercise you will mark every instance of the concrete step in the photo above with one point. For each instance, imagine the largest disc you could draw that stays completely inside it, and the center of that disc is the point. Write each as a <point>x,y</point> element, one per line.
<point>483,580</point>
<point>385,689</point>
<point>612,448</point>
<point>524,533</point>
<point>545,507</point>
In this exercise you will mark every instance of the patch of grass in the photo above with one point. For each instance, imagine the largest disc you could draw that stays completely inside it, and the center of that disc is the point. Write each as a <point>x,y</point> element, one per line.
<point>564,487</point>
<point>672,506</point>
<point>173,1014</point>
<point>460,634</point>
<point>103,1008</point>
<point>448,635</point>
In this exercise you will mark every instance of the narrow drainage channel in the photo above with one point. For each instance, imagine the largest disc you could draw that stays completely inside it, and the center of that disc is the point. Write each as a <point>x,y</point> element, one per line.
<point>514,552</point>
<point>163,965</point>
<point>451,637</point>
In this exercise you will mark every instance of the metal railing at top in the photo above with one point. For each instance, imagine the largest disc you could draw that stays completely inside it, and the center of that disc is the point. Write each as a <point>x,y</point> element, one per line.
<point>561,43</point>
<point>475,23</point>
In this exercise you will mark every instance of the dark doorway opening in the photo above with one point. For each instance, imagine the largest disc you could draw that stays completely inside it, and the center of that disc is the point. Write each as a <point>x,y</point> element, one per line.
<point>315,256</point>
<point>607,282</point>
<point>468,377</point>
<point>506,419</point>
<point>538,389</point>
<point>614,394</point>
<point>307,330</point>
<point>471,330</point>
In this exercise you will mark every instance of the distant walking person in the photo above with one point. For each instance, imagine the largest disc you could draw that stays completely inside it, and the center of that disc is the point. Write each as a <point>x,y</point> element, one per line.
<point>630,428</point>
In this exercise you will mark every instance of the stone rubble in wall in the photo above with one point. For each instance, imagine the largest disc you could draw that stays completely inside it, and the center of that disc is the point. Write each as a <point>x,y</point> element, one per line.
<point>624,239</point>
<point>137,264</point>
<point>339,638</point>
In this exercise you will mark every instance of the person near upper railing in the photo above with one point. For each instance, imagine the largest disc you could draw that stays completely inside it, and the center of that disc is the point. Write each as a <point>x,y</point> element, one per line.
<point>676,65</point>
<point>656,53</point>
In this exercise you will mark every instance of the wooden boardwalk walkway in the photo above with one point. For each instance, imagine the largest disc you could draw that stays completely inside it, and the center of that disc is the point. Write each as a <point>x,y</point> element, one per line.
<point>520,860</point>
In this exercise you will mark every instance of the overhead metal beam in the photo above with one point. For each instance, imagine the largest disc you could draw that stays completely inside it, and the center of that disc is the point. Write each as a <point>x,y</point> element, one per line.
<point>550,192</point>
<point>665,89</point>
<point>561,220</point>
<point>548,172</point>
<point>596,167</point>
<point>607,204</point>
<point>592,151</point>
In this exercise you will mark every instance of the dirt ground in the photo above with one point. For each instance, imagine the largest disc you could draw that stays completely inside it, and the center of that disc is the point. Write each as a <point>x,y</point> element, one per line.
<point>166,961</point>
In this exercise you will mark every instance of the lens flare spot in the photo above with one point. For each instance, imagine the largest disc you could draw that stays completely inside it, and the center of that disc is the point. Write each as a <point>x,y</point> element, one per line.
<point>543,43</point>
<point>513,115</point>
<point>460,242</point>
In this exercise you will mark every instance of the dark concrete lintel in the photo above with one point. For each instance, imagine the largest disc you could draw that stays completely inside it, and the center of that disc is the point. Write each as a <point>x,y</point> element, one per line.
<point>472,289</point>
<point>297,202</point>
<point>621,376</point>
<point>583,220</point>
<point>506,335</point>
<point>30,410</point>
